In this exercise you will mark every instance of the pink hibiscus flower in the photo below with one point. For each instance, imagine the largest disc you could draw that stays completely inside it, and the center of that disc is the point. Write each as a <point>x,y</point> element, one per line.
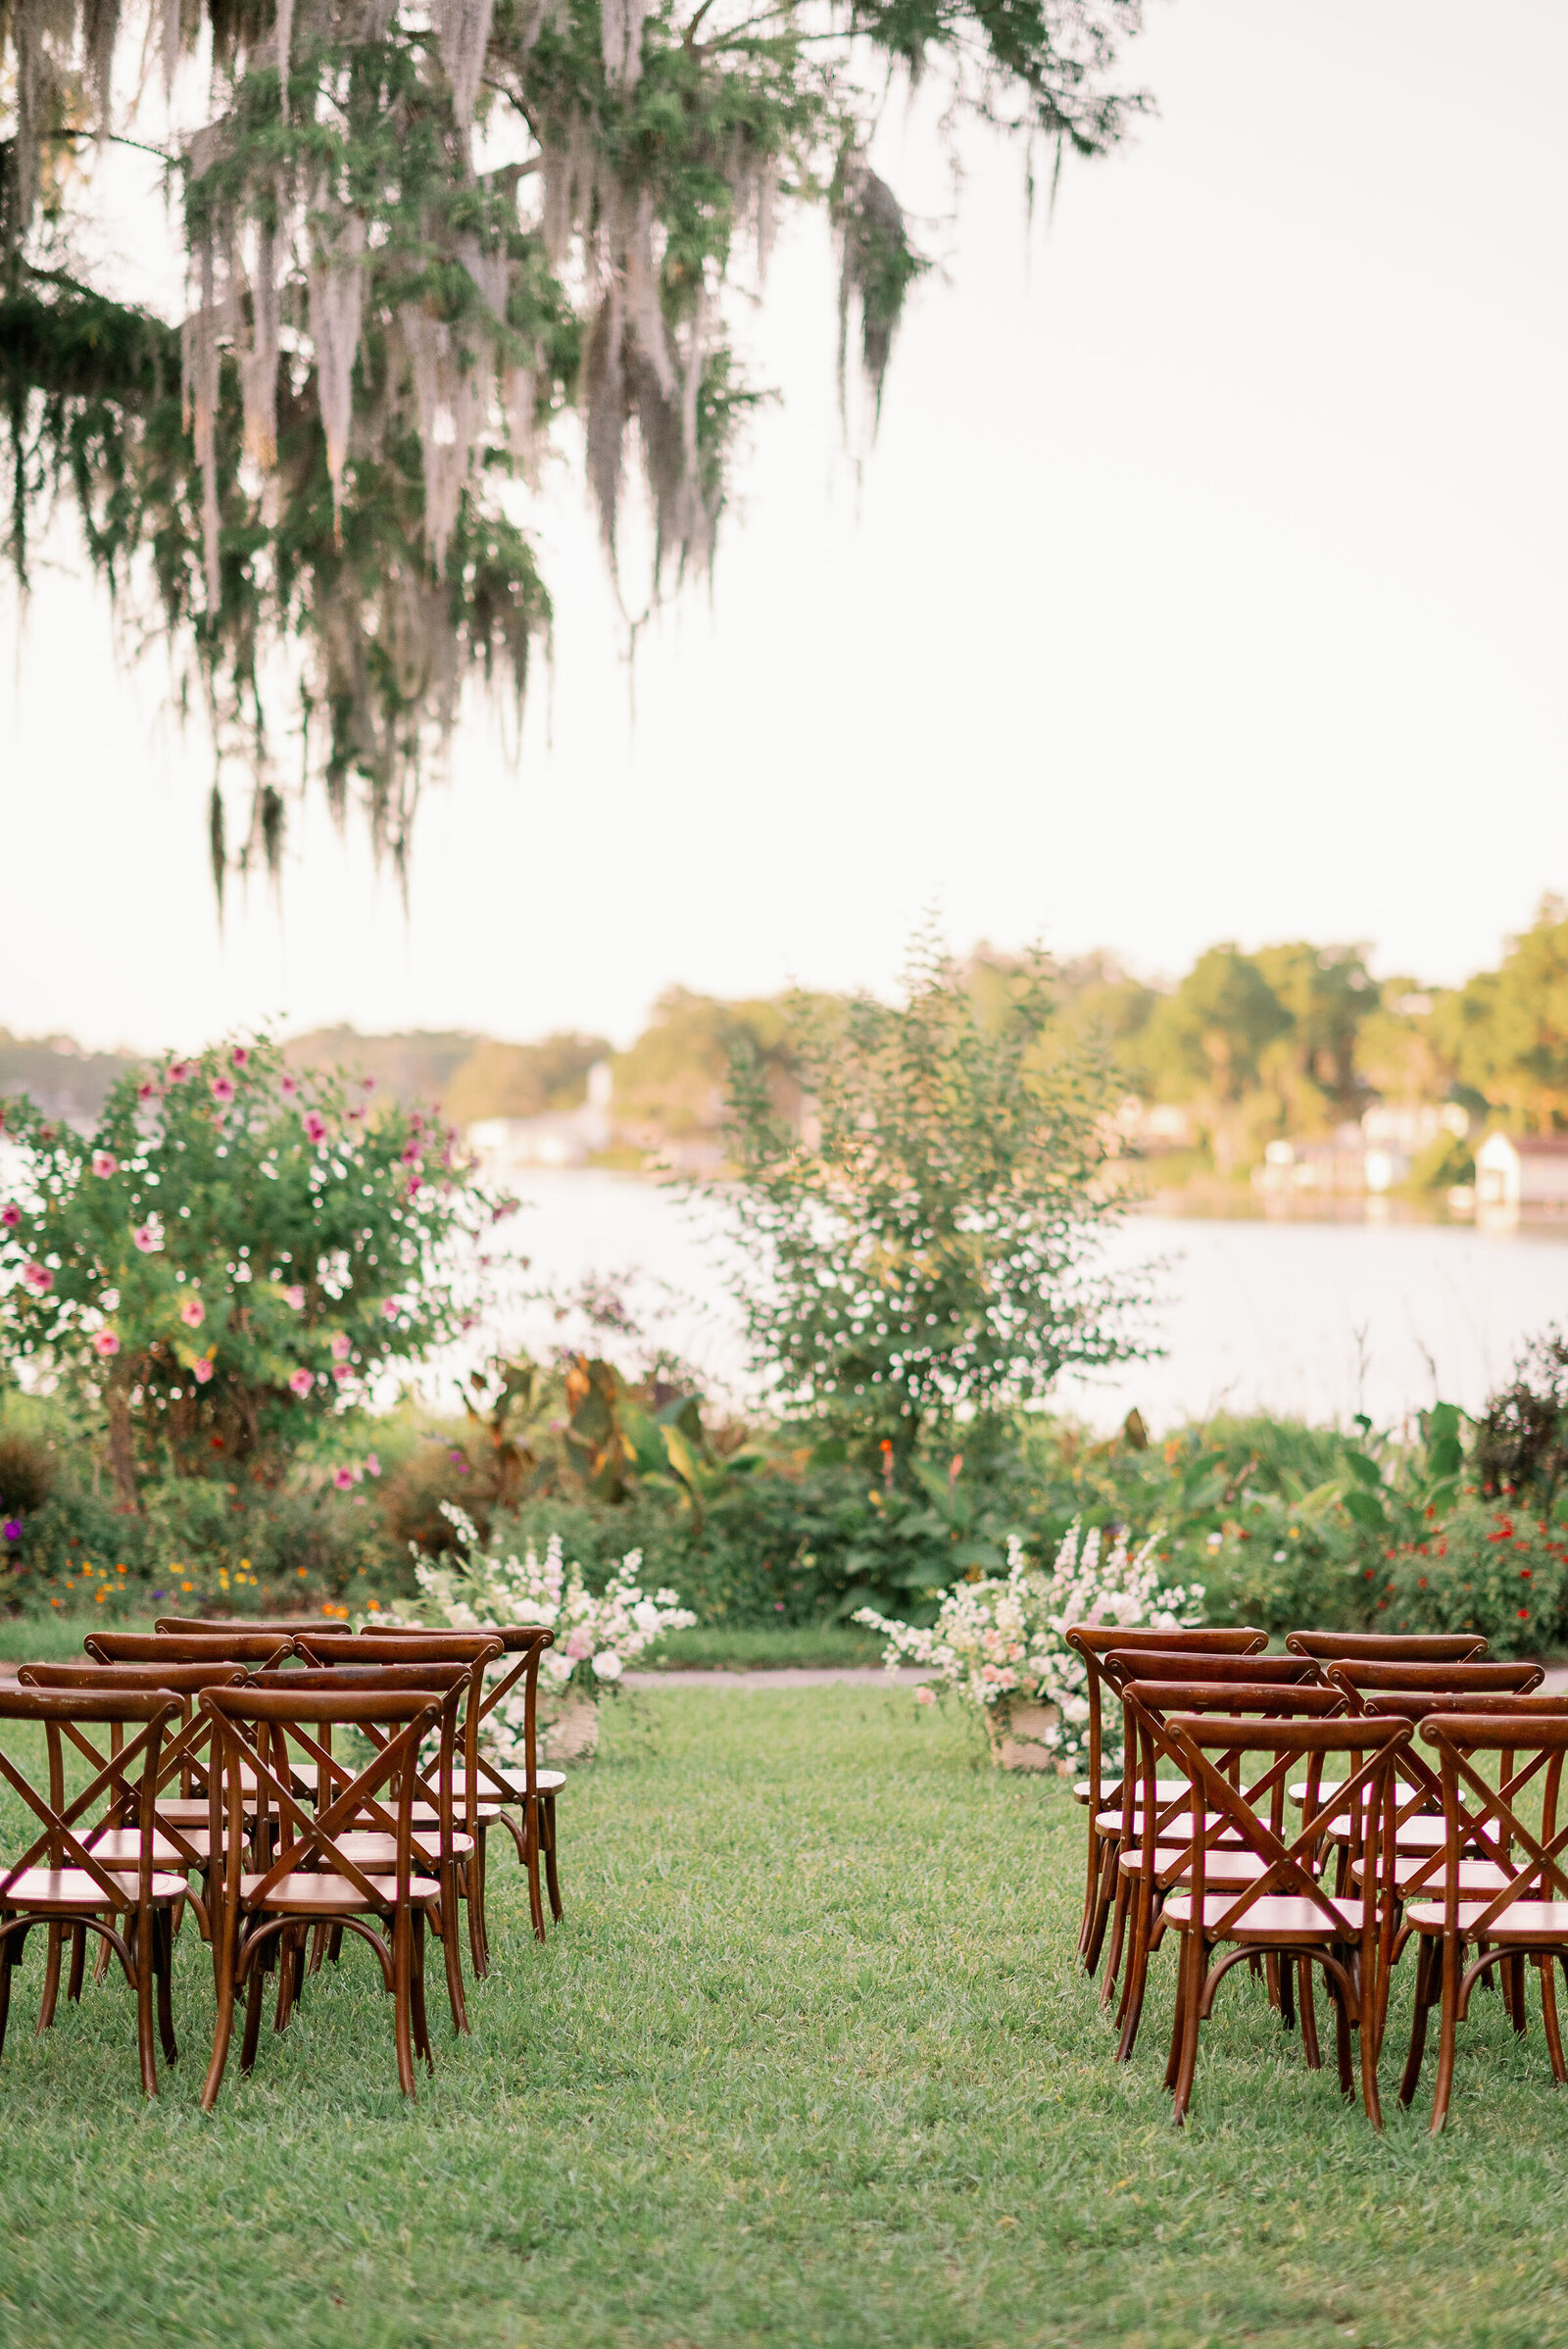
<point>148,1238</point>
<point>106,1344</point>
<point>295,1297</point>
<point>372,1466</point>
<point>341,1372</point>
<point>240,1057</point>
<point>181,1072</point>
<point>104,1162</point>
<point>201,1370</point>
<point>343,1479</point>
<point>10,1217</point>
<point>193,1313</point>
<point>342,1346</point>
<point>314,1126</point>
<point>391,1308</point>
<point>369,1083</point>
<point>38,1278</point>
<point>287,1085</point>
<point>302,1382</point>
<point>414,1184</point>
<point>222,1089</point>
<point>410,1153</point>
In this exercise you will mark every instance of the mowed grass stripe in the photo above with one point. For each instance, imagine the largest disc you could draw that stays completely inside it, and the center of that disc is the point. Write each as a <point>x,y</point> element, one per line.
<point>808,2064</point>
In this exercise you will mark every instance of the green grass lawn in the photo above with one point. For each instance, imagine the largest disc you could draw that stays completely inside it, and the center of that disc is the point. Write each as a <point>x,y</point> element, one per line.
<point>764,1648</point>
<point>809,2064</point>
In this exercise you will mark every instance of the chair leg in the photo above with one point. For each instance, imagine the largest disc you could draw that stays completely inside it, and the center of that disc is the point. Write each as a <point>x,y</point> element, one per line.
<point>454,1960</point>
<point>1311,2050</point>
<point>1515,1966</point>
<point>1425,1967</point>
<point>1369,2040</point>
<point>1342,2038</point>
<point>223,1953</point>
<point>1091,1889</point>
<point>402,1999</point>
<point>163,1929</point>
<point>1447,2033</point>
<point>78,1964</point>
<point>51,1979</point>
<point>421,2028</point>
<point>534,1832</point>
<point>1549,2018</point>
<point>7,1961</point>
<point>1197,1964</point>
<point>1118,1933</point>
<point>1178,2020</point>
<point>145,1931</point>
<point>255,1991</point>
<point>1285,1988</point>
<point>1109,1848</point>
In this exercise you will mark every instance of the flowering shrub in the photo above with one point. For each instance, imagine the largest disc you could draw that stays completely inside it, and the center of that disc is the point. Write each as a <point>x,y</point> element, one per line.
<point>598,1633</point>
<point>228,1262</point>
<point>1005,1638</point>
<point>1491,1567</point>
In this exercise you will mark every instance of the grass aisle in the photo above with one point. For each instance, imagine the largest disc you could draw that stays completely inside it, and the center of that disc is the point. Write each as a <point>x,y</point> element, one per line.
<point>808,2064</point>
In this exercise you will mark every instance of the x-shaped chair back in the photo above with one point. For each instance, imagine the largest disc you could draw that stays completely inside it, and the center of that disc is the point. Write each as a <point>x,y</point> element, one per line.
<point>1170,1850</point>
<point>126,1780</point>
<point>1530,1746</point>
<point>1388,1647</point>
<point>440,1680</point>
<point>1366,1797</point>
<point>1095,1642</point>
<point>524,1643</point>
<point>207,1627</point>
<point>1411,1691</point>
<point>256,1733</point>
<point>186,1755</point>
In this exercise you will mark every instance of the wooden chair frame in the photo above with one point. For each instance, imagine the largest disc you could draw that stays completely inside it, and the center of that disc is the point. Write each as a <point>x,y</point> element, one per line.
<point>254,1729</point>
<point>86,1892</point>
<point>1527,1917</point>
<point>1351,1950</point>
<point>1388,1647</point>
<point>1094,1641</point>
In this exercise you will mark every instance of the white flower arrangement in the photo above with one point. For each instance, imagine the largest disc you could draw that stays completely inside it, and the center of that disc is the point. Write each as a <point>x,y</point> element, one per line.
<point>1004,1639</point>
<point>598,1633</point>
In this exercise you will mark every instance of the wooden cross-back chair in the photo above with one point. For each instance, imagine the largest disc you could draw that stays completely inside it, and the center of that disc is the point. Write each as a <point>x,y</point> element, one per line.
<point>470,1818</point>
<point>1120,1824</point>
<point>1092,1642</point>
<point>1157,1833</point>
<point>1408,1691</point>
<point>181,1799</point>
<point>1388,1647</point>
<point>264,1648</point>
<point>60,1883</point>
<point>529,1793</point>
<point>218,1626</point>
<point>311,1876</point>
<point>1286,1911</point>
<point>1525,1915</point>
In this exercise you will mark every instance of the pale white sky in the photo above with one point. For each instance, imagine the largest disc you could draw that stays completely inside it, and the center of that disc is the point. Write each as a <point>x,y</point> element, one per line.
<point>1208,580</point>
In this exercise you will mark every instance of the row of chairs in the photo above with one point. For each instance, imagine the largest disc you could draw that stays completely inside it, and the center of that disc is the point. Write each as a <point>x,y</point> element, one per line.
<point>286,1784</point>
<point>1224,1827</point>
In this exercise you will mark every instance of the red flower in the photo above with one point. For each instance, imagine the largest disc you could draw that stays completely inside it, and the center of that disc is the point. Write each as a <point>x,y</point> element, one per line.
<point>1523,1613</point>
<point>1524,1572</point>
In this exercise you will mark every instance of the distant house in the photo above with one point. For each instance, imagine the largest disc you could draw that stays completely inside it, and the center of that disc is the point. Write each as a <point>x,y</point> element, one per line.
<point>506,1146</point>
<point>1522,1170</point>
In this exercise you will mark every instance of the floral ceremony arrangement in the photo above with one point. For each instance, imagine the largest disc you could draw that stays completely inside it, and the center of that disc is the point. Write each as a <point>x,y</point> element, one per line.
<point>598,1633</point>
<point>1000,1644</point>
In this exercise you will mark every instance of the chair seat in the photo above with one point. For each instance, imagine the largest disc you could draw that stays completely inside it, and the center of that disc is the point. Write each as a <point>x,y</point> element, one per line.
<point>1220,1867</point>
<point>327,1895</point>
<point>72,1891</point>
<point>1475,1876</point>
<point>1327,1786</point>
<point>373,1847</point>
<point>121,1847</point>
<point>1177,1830</point>
<point>1424,1832</point>
<point>1523,1921</point>
<point>547,1782</point>
<point>1282,1918</point>
<point>427,1814</point>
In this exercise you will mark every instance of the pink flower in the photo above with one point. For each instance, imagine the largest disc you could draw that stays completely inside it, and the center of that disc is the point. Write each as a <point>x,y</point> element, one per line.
<point>288,1085</point>
<point>355,1114</point>
<point>342,1346</point>
<point>295,1297</point>
<point>10,1217</point>
<point>414,1184</point>
<point>148,1238</point>
<point>181,1072</point>
<point>201,1370</point>
<point>104,1162</point>
<point>368,1084</point>
<point>239,1057</point>
<point>302,1382</point>
<point>193,1313</point>
<point>410,1153</point>
<point>341,1372</point>
<point>343,1479</point>
<point>222,1089</point>
<point>580,1644</point>
<point>148,1089</point>
<point>314,1126</point>
<point>106,1344</point>
<point>391,1308</point>
<point>38,1278</point>
<point>372,1466</point>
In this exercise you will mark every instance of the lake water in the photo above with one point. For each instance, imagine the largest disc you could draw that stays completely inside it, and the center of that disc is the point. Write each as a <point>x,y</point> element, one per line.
<point>1316,1320</point>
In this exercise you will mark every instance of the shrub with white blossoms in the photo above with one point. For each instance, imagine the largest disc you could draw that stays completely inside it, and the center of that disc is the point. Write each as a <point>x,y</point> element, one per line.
<point>598,1633</point>
<point>1005,1638</point>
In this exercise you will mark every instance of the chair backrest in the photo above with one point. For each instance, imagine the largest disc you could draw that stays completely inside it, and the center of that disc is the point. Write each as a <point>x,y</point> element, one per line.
<point>1388,1647</point>
<point>1157,1664</point>
<point>1529,1745</point>
<point>1148,1817</point>
<point>216,1626</point>
<point>260,1733</point>
<point>179,1680</point>
<point>1094,1641</point>
<point>1364,1796</point>
<point>438,1678</point>
<point>523,1644</point>
<point>125,1779</point>
<point>1438,1679</point>
<point>189,1647</point>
